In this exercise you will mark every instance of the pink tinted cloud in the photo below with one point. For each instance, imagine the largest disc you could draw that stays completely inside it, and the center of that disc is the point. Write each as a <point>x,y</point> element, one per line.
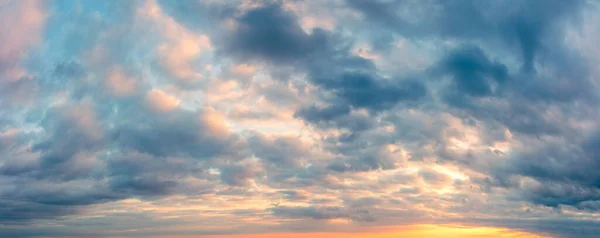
<point>21,28</point>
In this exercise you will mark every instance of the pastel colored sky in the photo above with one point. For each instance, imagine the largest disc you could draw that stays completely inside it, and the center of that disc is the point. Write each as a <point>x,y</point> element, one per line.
<point>289,118</point>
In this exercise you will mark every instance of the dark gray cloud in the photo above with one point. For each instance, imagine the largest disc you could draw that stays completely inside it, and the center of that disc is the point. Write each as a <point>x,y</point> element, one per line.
<point>564,173</point>
<point>472,72</point>
<point>531,32</point>
<point>141,161</point>
<point>293,195</point>
<point>493,93</point>
<point>91,147</point>
<point>317,213</point>
<point>80,133</point>
<point>316,114</point>
<point>146,175</point>
<point>322,55</point>
<point>527,27</point>
<point>274,35</point>
<point>280,151</point>
<point>326,59</point>
<point>178,133</point>
<point>238,175</point>
<point>364,163</point>
<point>18,211</point>
<point>336,116</point>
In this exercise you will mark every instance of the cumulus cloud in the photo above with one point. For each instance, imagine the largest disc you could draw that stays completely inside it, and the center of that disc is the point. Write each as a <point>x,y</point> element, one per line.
<point>160,101</point>
<point>23,34</point>
<point>27,21</point>
<point>119,83</point>
<point>181,46</point>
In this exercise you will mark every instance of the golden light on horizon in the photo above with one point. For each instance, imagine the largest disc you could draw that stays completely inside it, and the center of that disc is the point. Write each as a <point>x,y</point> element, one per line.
<point>413,231</point>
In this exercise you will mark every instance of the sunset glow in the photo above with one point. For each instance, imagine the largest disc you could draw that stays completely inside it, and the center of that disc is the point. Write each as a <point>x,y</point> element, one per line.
<point>404,232</point>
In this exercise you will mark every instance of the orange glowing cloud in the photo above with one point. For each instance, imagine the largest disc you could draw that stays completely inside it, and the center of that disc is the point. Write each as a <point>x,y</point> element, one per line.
<point>160,101</point>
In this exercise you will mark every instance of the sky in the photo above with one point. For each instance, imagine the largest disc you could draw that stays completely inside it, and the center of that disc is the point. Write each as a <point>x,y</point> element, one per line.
<point>333,118</point>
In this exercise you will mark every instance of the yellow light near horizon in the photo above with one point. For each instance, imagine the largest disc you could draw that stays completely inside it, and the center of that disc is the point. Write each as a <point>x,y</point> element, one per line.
<point>414,231</point>
<point>455,232</point>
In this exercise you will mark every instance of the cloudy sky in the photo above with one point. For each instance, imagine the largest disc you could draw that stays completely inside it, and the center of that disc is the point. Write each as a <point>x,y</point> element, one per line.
<point>337,118</point>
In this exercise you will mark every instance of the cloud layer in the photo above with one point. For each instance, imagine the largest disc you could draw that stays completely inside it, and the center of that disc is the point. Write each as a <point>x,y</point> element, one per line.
<point>158,117</point>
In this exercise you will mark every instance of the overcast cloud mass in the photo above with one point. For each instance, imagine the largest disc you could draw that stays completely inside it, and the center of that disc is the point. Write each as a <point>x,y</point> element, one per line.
<point>204,117</point>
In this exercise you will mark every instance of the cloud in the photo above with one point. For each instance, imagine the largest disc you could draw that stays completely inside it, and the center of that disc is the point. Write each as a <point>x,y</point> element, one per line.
<point>160,101</point>
<point>181,46</point>
<point>283,41</point>
<point>30,16</point>
<point>386,157</point>
<point>524,27</point>
<point>279,150</point>
<point>327,65</point>
<point>23,34</point>
<point>317,213</point>
<point>472,72</point>
<point>238,175</point>
<point>554,174</point>
<point>212,117</point>
<point>120,84</point>
<point>176,133</point>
